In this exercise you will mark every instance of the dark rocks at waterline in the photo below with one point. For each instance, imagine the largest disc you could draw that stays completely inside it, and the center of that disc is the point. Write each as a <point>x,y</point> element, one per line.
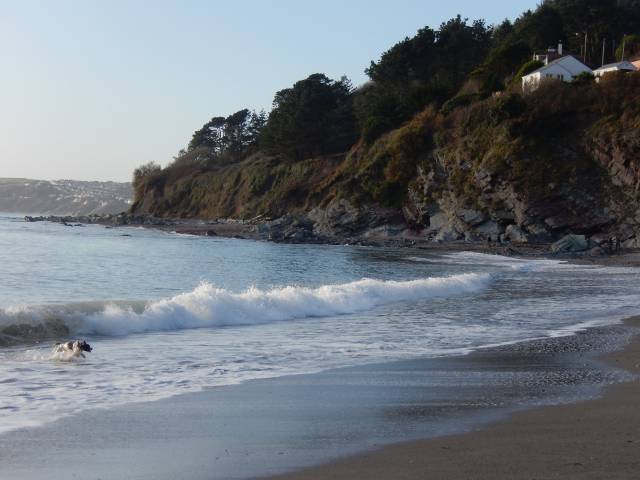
<point>570,244</point>
<point>340,222</point>
<point>121,219</point>
<point>288,228</point>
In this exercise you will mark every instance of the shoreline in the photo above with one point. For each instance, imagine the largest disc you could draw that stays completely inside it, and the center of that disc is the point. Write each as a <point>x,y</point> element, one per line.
<point>284,424</point>
<point>252,230</point>
<point>151,423</point>
<point>595,438</point>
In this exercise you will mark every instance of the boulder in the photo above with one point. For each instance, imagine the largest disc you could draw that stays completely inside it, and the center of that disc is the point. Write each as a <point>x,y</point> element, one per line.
<point>570,244</point>
<point>514,233</point>
<point>470,217</point>
<point>632,243</point>
<point>437,221</point>
<point>489,228</point>
<point>289,227</point>
<point>339,218</point>
<point>473,237</point>
<point>504,215</point>
<point>448,234</point>
<point>385,231</point>
<point>599,239</point>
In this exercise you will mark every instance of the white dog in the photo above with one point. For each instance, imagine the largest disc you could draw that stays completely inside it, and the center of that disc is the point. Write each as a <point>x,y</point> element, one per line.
<point>69,350</point>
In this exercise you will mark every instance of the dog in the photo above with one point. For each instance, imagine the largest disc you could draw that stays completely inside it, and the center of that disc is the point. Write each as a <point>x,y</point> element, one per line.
<point>73,349</point>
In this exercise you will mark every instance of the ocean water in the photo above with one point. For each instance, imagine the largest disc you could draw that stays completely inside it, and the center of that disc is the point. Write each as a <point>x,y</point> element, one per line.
<point>170,314</point>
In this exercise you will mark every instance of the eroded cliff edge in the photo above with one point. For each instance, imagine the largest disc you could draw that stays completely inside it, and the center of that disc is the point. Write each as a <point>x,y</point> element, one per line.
<point>533,168</point>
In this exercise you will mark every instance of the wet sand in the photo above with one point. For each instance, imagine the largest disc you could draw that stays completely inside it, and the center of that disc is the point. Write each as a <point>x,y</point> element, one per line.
<point>596,439</point>
<point>285,424</point>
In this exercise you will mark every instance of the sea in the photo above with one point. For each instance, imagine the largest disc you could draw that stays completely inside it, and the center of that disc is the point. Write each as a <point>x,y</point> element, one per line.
<point>168,313</point>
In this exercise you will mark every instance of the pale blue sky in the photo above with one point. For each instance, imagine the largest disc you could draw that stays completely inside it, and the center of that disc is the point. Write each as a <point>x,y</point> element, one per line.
<point>90,89</point>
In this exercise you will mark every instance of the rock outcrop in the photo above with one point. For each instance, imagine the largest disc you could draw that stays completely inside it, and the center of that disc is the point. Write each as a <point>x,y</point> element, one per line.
<point>570,244</point>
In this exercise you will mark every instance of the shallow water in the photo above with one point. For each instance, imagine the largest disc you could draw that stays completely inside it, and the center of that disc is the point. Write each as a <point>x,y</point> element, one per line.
<point>169,314</point>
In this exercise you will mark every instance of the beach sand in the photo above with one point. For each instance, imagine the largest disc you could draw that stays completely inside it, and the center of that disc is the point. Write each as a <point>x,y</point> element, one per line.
<point>596,439</point>
<point>285,424</point>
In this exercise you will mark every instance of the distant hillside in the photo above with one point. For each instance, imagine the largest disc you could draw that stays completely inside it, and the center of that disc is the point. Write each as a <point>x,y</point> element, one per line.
<point>63,197</point>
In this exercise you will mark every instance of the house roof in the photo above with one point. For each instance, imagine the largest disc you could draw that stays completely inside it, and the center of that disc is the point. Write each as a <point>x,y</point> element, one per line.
<point>570,64</point>
<point>624,65</point>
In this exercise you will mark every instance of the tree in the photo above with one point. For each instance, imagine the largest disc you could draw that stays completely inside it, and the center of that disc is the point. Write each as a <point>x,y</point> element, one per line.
<point>235,136</point>
<point>257,122</point>
<point>228,137</point>
<point>209,136</point>
<point>313,117</point>
<point>600,20</point>
<point>145,171</point>
<point>427,68</point>
<point>540,29</point>
<point>629,48</point>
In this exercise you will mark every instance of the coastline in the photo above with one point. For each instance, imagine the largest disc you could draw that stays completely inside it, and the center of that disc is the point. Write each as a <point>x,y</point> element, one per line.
<point>597,438</point>
<point>266,427</point>
<point>181,420</point>
<point>254,230</point>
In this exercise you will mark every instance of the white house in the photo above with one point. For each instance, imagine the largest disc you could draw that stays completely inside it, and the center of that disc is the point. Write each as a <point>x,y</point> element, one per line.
<point>623,66</point>
<point>564,68</point>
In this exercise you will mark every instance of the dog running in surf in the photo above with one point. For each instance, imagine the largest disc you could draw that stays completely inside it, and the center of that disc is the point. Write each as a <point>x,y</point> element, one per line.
<point>74,349</point>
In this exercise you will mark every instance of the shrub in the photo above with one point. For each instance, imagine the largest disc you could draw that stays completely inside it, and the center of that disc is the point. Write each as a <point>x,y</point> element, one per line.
<point>144,172</point>
<point>583,78</point>
<point>526,69</point>
<point>506,107</point>
<point>374,127</point>
<point>459,101</point>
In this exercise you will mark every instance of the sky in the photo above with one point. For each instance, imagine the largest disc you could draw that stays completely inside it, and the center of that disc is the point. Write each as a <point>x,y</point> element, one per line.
<point>89,90</point>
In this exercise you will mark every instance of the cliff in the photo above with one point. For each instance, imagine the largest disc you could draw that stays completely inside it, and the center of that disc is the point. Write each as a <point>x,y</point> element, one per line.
<point>561,160</point>
<point>564,159</point>
<point>440,145</point>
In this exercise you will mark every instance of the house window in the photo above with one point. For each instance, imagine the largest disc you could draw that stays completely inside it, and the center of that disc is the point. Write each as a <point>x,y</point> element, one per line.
<point>560,76</point>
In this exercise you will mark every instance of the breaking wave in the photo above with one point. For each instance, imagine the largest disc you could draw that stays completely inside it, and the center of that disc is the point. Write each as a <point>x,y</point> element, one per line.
<point>210,306</point>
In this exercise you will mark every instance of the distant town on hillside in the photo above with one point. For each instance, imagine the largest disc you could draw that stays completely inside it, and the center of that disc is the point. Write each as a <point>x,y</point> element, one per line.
<point>63,197</point>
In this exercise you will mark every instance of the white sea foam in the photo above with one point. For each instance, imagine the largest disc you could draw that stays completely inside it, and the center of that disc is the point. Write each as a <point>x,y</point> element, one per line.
<point>211,306</point>
<point>484,260</point>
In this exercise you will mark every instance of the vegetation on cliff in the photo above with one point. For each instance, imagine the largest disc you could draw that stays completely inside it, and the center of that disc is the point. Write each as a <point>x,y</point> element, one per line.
<point>441,126</point>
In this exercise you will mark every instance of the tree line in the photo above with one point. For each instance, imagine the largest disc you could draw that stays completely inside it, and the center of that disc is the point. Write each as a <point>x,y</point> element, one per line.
<point>459,61</point>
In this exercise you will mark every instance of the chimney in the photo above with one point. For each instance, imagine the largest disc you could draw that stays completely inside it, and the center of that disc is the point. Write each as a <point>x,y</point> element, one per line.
<point>560,48</point>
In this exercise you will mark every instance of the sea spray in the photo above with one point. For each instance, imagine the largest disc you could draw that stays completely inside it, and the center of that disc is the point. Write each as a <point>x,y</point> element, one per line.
<point>211,306</point>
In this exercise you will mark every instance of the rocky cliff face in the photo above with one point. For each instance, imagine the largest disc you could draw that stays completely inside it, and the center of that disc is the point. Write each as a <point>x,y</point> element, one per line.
<point>564,160</point>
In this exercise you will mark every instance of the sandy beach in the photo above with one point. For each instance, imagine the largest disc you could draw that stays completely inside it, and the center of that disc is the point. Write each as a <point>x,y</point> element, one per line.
<point>596,439</point>
<point>267,427</point>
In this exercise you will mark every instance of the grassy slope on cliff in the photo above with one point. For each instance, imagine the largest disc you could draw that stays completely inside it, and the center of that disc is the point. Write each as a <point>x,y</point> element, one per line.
<point>258,185</point>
